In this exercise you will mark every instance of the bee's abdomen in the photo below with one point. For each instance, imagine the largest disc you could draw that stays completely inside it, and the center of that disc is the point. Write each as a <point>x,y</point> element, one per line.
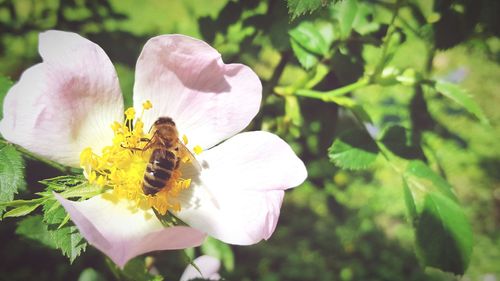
<point>158,171</point>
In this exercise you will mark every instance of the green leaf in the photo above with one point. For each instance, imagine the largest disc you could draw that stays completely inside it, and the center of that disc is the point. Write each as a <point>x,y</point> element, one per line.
<point>69,240</point>
<point>443,234</point>
<point>299,7</point>
<point>306,59</point>
<point>61,183</point>
<point>84,191</point>
<point>54,223</point>
<point>354,149</point>
<point>20,211</point>
<point>220,250</point>
<point>410,204</point>
<point>11,174</point>
<point>65,236</point>
<point>53,213</point>
<point>5,84</point>
<point>32,227</point>
<point>423,179</point>
<point>460,96</point>
<point>347,11</point>
<point>364,23</point>
<point>442,231</point>
<point>70,187</point>
<point>18,203</point>
<point>309,38</point>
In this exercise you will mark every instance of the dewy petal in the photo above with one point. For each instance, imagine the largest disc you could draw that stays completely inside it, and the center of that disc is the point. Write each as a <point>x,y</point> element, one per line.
<point>65,103</point>
<point>186,79</point>
<point>237,196</point>
<point>208,266</point>
<point>122,231</point>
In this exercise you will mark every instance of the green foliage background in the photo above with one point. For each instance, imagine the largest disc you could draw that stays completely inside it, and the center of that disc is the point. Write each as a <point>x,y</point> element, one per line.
<point>342,223</point>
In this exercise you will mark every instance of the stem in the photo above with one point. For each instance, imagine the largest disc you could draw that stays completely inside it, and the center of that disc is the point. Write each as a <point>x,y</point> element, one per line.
<point>113,268</point>
<point>278,71</point>
<point>361,83</point>
<point>387,37</point>
<point>31,155</point>
<point>430,57</point>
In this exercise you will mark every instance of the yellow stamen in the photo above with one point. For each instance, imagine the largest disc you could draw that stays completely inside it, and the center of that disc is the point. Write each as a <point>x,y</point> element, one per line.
<point>130,113</point>
<point>184,139</point>
<point>121,166</point>
<point>116,126</point>
<point>147,105</point>
<point>197,149</point>
<point>92,177</point>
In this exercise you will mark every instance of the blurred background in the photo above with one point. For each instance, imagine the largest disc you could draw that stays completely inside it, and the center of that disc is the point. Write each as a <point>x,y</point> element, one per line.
<point>340,224</point>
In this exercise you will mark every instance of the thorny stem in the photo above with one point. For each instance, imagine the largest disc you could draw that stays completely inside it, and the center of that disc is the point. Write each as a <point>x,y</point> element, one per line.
<point>387,37</point>
<point>31,155</point>
<point>365,81</point>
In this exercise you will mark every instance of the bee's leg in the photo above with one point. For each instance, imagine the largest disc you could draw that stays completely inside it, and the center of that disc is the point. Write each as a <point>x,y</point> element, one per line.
<point>131,148</point>
<point>148,144</point>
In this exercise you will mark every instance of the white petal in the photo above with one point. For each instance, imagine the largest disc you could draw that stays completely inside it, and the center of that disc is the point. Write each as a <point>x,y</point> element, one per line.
<point>122,231</point>
<point>65,103</point>
<point>208,266</point>
<point>237,196</point>
<point>187,80</point>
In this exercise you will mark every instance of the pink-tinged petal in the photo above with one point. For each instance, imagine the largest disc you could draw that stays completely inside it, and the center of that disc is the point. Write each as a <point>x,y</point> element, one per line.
<point>208,269</point>
<point>187,80</point>
<point>237,196</point>
<point>122,231</point>
<point>66,103</point>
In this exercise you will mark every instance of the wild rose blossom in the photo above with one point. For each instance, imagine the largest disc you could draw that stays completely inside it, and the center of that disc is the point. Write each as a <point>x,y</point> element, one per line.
<point>69,108</point>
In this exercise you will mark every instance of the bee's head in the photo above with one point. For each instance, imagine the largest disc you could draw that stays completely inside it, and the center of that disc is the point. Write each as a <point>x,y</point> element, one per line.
<point>165,129</point>
<point>164,121</point>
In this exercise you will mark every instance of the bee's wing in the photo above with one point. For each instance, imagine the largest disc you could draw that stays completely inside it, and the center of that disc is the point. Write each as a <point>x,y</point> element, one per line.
<point>188,157</point>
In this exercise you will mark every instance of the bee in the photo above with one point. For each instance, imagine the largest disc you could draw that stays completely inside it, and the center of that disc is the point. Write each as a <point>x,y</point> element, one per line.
<point>167,152</point>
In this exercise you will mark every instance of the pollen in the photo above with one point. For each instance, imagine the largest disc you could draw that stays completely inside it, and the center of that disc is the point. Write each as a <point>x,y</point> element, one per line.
<point>197,149</point>
<point>130,113</point>
<point>120,166</point>
<point>147,105</point>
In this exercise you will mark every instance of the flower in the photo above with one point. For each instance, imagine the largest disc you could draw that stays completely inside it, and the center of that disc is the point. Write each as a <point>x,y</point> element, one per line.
<point>208,269</point>
<point>69,108</point>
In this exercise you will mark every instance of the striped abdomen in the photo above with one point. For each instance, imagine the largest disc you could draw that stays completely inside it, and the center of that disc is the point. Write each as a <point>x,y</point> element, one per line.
<point>159,170</point>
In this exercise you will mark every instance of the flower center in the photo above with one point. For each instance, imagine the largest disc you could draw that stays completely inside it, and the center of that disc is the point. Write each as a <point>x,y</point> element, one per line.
<point>122,166</point>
